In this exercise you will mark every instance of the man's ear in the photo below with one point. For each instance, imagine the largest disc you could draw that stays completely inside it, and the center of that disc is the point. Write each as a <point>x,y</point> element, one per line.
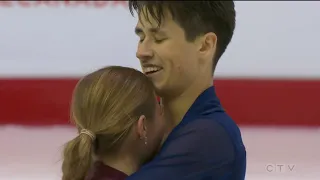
<point>208,46</point>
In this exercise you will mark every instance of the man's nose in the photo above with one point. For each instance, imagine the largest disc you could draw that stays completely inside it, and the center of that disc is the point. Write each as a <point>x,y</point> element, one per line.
<point>144,52</point>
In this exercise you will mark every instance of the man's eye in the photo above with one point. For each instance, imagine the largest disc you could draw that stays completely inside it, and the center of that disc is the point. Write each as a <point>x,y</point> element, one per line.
<point>159,40</point>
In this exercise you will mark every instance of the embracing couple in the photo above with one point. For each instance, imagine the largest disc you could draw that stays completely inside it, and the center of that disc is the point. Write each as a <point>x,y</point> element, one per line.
<point>126,133</point>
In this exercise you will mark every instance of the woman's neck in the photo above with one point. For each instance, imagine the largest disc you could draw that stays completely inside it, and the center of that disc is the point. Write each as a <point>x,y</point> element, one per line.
<point>125,164</point>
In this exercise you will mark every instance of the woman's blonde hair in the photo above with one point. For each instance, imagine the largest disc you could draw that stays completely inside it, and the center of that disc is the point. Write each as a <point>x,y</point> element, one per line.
<point>107,103</point>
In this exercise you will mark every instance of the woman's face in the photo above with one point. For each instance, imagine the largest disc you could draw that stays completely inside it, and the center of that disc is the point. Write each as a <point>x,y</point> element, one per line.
<point>155,132</point>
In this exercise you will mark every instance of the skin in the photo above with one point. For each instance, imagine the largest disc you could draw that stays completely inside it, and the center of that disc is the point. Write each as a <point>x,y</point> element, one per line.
<point>185,67</point>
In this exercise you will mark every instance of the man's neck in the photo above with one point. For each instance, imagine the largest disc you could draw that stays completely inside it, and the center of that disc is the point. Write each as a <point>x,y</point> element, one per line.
<point>177,107</point>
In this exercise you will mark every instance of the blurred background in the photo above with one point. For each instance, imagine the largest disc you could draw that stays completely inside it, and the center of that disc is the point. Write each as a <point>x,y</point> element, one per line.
<point>268,80</point>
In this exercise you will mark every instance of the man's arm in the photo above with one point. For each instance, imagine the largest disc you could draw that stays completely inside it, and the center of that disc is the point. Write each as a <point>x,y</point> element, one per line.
<point>199,150</point>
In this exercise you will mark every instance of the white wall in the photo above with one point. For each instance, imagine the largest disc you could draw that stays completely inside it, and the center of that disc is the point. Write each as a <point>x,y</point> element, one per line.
<point>272,39</point>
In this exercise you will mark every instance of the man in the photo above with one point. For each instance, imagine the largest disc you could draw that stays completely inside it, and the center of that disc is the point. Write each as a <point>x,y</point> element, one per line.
<point>180,45</point>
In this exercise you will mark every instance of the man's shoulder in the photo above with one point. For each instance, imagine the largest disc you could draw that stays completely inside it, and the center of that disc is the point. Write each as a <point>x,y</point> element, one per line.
<point>220,122</point>
<point>201,129</point>
<point>202,139</point>
<point>204,124</point>
<point>219,126</point>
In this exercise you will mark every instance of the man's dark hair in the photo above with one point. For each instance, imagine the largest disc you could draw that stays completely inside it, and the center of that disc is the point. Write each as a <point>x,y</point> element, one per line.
<point>195,18</point>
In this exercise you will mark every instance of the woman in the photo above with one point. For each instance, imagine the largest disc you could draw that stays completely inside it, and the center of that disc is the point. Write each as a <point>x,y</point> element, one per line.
<point>119,122</point>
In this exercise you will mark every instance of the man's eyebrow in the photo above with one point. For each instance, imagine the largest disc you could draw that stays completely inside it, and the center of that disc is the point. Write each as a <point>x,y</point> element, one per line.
<point>138,30</point>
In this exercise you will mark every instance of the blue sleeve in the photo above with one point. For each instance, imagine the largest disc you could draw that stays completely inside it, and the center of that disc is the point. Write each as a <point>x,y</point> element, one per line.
<point>202,149</point>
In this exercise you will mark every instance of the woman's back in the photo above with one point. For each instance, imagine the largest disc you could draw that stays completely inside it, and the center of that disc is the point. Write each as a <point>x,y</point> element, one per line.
<point>101,171</point>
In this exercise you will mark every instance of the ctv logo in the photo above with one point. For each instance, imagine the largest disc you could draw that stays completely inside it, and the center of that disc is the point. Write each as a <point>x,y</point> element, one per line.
<point>280,168</point>
<point>93,4</point>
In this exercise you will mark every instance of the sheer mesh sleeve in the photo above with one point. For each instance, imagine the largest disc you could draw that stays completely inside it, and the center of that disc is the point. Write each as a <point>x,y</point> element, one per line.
<point>201,149</point>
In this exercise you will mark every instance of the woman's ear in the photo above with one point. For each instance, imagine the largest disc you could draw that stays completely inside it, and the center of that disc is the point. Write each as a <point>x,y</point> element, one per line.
<point>142,127</point>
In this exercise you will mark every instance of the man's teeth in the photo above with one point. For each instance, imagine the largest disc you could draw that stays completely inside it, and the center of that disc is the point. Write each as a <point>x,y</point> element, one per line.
<point>151,69</point>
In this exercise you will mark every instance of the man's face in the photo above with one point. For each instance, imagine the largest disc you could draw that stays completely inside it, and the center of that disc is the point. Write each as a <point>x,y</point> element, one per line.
<point>166,57</point>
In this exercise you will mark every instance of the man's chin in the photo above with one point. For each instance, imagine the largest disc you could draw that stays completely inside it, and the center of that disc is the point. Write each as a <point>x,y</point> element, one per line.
<point>160,91</point>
